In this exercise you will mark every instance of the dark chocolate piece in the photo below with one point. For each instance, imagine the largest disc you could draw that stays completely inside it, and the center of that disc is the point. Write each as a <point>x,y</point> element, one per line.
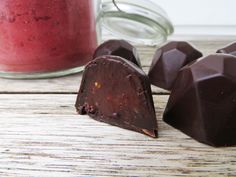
<point>203,101</point>
<point>229,49</point>
<point>119,48</point>
<point>168,60</point>
<point>116,91</point>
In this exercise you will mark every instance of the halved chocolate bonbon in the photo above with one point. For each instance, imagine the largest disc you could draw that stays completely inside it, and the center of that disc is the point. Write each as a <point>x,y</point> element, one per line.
<point>118,48</point>
<point>203,101</point>
<point>116,91</point>
<point>168,60</point>
<point>229,49</point>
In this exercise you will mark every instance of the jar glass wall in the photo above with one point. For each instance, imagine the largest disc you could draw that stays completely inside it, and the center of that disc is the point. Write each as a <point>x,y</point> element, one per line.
<point>140,21</point>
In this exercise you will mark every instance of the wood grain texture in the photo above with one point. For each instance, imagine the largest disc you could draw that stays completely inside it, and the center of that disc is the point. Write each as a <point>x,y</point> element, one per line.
<point>71,84</point>
<point>42,136</point>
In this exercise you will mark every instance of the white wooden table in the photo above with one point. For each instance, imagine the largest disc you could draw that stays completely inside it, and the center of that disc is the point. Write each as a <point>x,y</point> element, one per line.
<point>42,136</point>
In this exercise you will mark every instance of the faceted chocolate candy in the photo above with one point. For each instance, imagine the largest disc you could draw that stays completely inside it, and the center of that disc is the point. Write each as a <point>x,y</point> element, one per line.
<point>118,48</point>
<point>115,91</point>
<point>168,60</point>
<point>229,49</point>
<point>203,101</point>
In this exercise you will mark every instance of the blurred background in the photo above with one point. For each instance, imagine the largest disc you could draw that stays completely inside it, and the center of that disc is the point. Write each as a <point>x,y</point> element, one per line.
<point>201,17</point>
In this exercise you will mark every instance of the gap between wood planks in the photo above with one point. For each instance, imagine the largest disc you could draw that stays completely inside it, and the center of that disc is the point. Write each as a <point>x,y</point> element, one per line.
<point>58,93</point>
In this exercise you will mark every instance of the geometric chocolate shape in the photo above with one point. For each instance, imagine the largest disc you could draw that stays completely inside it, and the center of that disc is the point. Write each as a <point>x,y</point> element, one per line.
<point>119,48</point>
<point>229,49</point>
<point>116,91</point>
<point>202,103</point>
<point>168,60</point>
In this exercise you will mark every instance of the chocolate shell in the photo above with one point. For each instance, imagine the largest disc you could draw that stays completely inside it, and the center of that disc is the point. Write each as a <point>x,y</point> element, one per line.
<point>117,92</point>
<point>119,48</point>
<point>229,49</point>
<point>168,60</point>
<point>202,103</point>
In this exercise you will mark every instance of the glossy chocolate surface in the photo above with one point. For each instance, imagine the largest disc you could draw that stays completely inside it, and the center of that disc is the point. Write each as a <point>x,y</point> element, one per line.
<point>229,49</point>
<point>117,92</point>
<point>118,48</point>
<point>168,60</point>
<point>203,101</point>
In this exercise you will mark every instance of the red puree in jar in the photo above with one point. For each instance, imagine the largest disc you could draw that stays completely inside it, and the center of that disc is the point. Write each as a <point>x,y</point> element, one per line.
<point>46,35</point>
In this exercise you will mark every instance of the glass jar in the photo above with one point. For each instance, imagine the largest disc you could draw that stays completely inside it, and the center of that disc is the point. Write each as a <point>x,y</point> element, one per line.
<point>138,21</point>
<point>52,38</point>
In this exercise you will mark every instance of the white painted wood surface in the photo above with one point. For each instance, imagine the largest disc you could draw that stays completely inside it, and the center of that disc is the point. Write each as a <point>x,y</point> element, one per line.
<point>42,136</point>
<point>71,84</point>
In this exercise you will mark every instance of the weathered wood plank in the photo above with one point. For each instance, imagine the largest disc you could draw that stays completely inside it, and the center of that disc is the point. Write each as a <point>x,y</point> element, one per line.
<point>70,84</point>
<point>41,135</point>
